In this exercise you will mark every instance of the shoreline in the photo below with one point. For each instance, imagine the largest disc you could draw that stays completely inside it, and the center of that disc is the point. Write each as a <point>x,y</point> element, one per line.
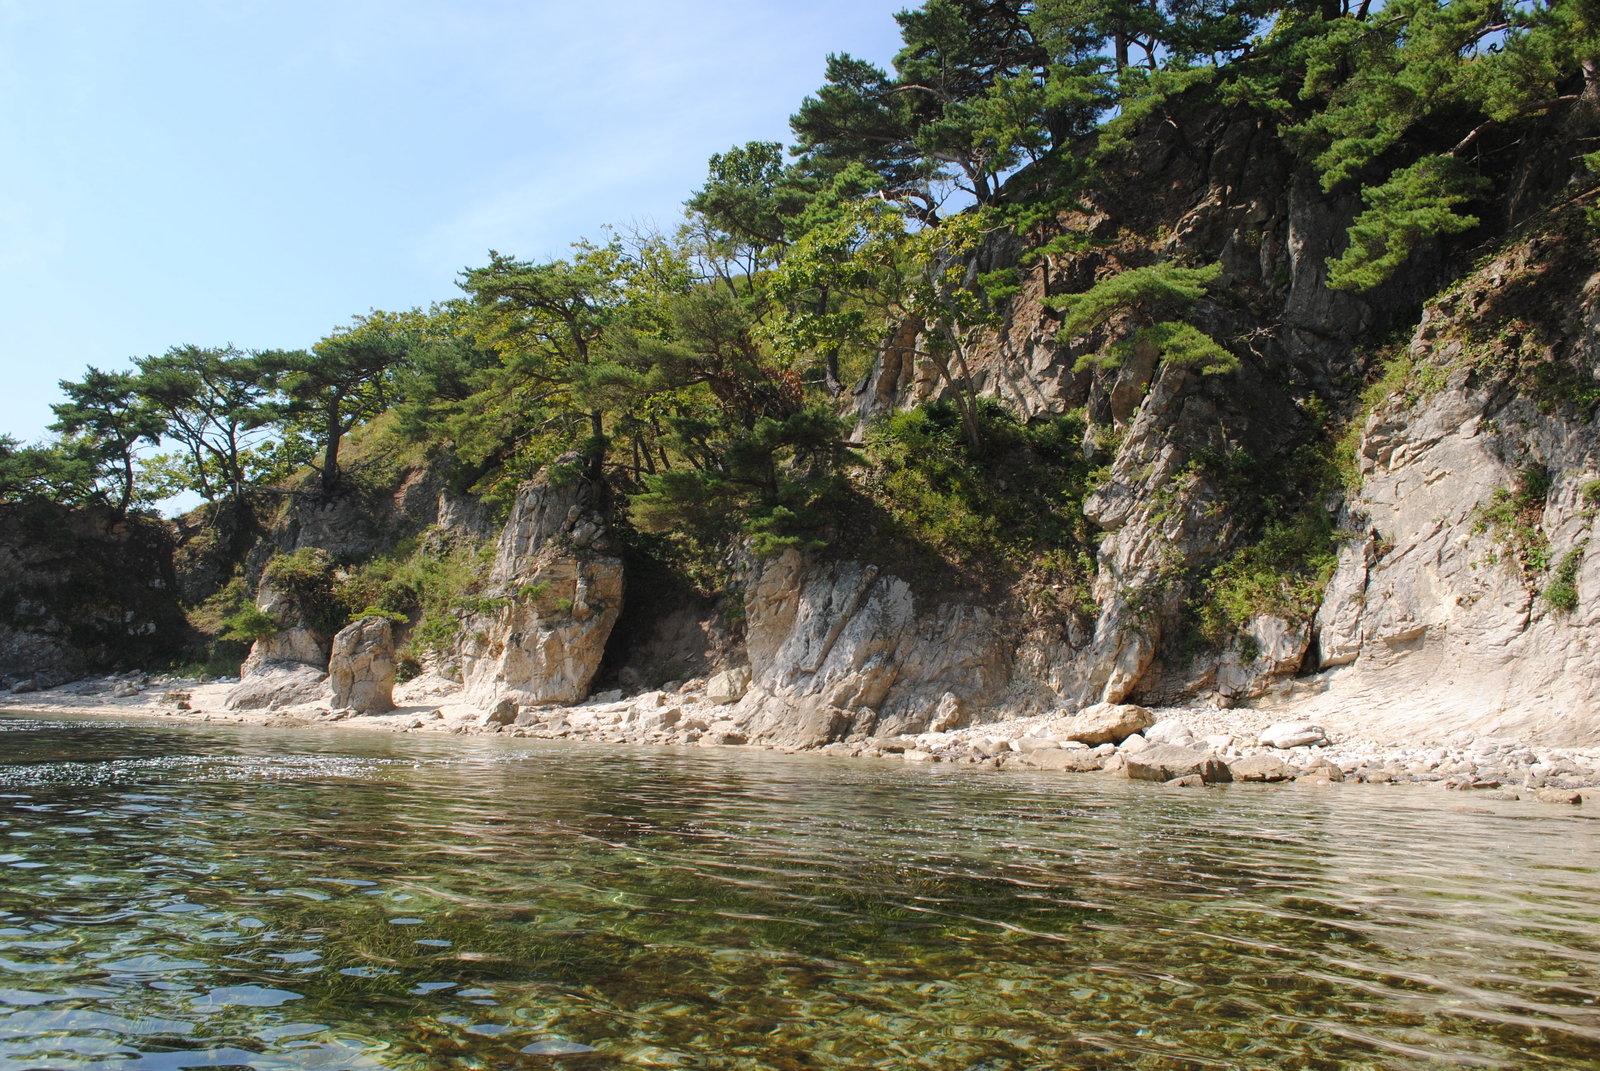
<point>1494,767</point>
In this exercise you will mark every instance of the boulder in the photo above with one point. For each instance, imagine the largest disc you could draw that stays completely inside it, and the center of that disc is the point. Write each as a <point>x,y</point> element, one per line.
<point>1287,734</point>
<point>361,667</point>
<point>729,686</point>
<point>1170,732</point>
<point>663,718</point>
<point>503,713</point>
<point>124,690</point>
<point>1261,768</point>
<point>1558,795</point>
<point>1167,762</point>
<point>274,685</point>
<point>1107,723</point>
<point>1135,743</point>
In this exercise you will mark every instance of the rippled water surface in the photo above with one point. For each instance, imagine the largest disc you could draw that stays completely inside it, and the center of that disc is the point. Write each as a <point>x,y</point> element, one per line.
<point>176,897</point>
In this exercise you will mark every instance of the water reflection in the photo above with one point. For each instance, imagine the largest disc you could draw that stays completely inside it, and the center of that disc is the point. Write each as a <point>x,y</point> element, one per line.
<point>209,897</point>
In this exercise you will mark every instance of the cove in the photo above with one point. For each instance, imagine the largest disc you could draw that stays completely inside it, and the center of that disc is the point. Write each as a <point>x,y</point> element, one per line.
<point>176,896</point>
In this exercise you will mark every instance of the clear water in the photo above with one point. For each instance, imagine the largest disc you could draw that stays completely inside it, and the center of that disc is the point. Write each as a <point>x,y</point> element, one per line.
<point>175,897</point>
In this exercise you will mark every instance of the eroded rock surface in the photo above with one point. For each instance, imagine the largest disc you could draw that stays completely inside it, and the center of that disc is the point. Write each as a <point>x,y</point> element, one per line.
<point>362,666</point>
<point>553,595</point>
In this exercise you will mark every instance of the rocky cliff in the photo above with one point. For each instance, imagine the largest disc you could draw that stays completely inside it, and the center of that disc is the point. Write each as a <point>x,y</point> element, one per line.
<point>1382,515</point>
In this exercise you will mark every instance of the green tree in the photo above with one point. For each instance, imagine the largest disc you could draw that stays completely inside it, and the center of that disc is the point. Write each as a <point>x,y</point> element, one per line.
<point>61,473</point>
<point>216,404</point>
<point>892,271</point>
<point>107,421</point>
<point>344,381</point>
<point>1150,300</point>
<point>545,321</point>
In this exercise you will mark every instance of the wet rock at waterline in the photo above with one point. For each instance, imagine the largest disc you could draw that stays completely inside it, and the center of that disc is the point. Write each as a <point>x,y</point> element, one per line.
<point>1261,768</point>
<point>1167,762</point>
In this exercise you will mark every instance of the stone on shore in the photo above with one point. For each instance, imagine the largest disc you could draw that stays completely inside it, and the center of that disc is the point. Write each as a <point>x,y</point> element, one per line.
<point>1107,723</point>
<point>1168,762</point>
<point>1288,734</point>
<point>1261,768</point>
<point>362,665</point>
<point>1170,732</point>
<point>274,685</point>
<point>729,686</point>
<point>504,712</point>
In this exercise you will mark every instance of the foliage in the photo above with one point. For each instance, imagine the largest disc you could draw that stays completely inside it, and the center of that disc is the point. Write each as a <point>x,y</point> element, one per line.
<point>1415,202</point>
<point>307,579</point>
<point>1149,297</point>
<point>1015,505</point>
<point>106,422</point>
<point>63,473</point>
<point>428,582</point>
<point>1283,573</point>
<point>1513,516</point>
<point>1561,591</point>
<point>216,404</point>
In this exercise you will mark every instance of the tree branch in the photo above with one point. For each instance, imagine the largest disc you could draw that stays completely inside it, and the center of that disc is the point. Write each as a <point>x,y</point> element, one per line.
<point>1527,109</point>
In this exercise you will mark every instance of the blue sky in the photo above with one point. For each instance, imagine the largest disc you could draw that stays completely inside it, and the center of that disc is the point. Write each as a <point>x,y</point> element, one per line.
<point>259,172</point>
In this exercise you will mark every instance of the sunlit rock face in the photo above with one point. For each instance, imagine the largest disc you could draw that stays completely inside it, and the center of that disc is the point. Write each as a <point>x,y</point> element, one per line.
<point>362,666</point>
<point>554,594</point>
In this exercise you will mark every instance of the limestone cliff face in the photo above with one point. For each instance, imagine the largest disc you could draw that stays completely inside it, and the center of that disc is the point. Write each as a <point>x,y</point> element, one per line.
<point>1439,612</point>
<point>1469,596</point>
<point>553,596</point>
<point>840,647</point>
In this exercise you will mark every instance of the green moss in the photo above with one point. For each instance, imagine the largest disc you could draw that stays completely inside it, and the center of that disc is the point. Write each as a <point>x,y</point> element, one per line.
<point>1561,592</point>
<point>1513,518</point>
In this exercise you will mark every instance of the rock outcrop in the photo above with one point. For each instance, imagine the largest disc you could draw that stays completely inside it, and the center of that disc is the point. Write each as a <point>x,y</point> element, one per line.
<point>81,591</point>
<point>361,667</point>
<point>841,647</point>
<point>1468,598</point>
<point>553,595</point>
<point>287,667</point>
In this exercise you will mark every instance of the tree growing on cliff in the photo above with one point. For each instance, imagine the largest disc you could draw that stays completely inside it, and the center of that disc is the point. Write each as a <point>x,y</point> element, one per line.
<point>216,404</point>
<point>61,473</point>
<point>892,272</point>
<point>544,320</point>
<point>1152,300</point>
<point>105,422</point>
<point>343,381</point>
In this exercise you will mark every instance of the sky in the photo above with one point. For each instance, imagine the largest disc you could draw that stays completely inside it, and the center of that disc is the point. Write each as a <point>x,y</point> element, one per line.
<point>257,173</point>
